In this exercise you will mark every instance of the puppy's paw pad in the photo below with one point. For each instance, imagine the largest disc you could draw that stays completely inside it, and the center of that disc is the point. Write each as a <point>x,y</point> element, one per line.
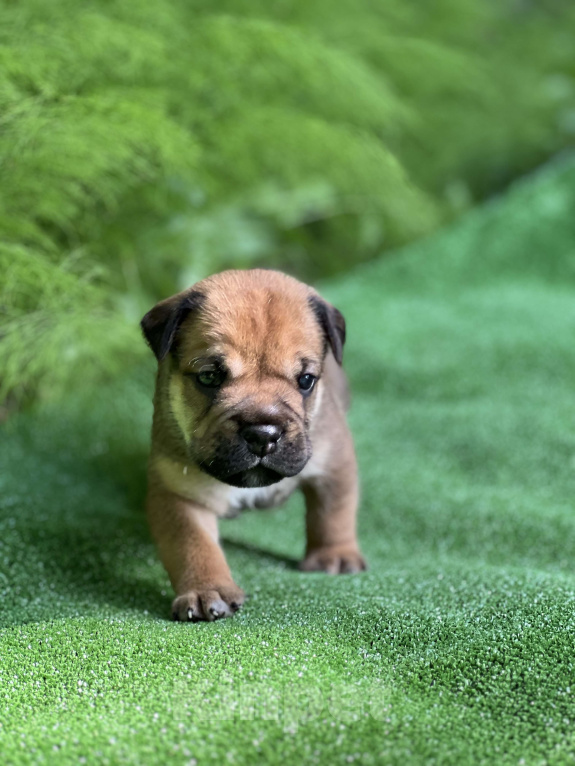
<point>334,560</point>
<point>207,604</point>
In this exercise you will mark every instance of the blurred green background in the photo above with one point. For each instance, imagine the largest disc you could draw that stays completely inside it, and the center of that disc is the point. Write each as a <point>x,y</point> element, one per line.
<point>145,145</point>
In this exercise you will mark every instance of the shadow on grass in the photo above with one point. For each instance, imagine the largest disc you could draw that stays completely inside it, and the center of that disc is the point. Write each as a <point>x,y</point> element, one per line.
<point>270,557</point>
<point>81,571</point>
<point>103,567</point>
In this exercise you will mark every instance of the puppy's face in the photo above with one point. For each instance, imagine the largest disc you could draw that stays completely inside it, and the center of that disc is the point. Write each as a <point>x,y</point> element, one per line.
<point>244,352</point>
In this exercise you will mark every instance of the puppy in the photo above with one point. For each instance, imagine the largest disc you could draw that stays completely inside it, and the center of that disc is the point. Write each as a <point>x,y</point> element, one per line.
<point>249,406</point>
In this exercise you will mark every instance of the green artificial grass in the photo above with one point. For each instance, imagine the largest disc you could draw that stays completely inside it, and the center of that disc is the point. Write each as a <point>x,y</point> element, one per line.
<point>457,646</point>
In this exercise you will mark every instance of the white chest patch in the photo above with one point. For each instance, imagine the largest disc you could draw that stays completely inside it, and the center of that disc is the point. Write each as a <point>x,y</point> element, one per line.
<point>240,499</point>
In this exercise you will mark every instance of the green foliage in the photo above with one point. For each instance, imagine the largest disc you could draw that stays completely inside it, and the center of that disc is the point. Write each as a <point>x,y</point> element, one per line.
<point>143,145</point>
<point>72,334</point>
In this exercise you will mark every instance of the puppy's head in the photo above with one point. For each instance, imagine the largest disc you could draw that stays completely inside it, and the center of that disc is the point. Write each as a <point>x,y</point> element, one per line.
<point>241,356</point>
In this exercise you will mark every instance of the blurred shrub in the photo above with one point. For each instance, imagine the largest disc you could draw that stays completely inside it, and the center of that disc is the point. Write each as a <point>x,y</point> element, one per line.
<point>143,145</point>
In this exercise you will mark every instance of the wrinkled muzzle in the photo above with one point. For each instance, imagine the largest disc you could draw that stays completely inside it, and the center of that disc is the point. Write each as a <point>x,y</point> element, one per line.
<point>256,454</point>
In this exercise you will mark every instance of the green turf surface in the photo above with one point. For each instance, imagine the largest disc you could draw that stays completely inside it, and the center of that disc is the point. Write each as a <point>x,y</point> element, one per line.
<point>458,645</point>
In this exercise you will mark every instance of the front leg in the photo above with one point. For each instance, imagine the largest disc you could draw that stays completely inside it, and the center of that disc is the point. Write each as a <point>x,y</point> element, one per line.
<point>187,539</point>
<point>331,509</point>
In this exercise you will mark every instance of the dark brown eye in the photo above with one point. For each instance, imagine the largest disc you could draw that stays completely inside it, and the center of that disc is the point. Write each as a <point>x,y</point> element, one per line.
<point>211,378</point>
<point>306,382</point>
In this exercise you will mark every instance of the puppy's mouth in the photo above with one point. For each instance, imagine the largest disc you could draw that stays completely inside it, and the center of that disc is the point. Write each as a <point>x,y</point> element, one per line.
<point>256,472</point>
<point>258,476</point>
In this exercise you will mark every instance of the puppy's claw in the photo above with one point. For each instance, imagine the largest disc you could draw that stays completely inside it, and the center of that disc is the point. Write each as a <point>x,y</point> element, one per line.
<point>209,605</point>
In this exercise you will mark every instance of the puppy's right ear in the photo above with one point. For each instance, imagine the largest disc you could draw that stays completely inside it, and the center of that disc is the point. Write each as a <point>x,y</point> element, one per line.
<point>160,325</point>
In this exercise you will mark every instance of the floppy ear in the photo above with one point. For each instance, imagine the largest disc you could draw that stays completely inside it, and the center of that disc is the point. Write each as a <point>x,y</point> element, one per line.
<point>161,323</point>
<point>332,324</point>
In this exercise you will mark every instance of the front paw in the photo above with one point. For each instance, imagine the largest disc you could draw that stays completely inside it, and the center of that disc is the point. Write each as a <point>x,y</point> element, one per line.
<point>334,559</point>
<point>208,603</point>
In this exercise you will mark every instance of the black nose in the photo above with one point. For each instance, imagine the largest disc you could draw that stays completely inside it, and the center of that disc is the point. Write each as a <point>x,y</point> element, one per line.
<point>261,439</point>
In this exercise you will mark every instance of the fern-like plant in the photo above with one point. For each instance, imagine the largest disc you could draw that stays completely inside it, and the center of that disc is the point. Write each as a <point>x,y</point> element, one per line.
<point>143,145</point>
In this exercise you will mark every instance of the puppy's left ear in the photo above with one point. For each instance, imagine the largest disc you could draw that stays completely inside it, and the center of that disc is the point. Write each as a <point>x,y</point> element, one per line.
<point>332,324</point>
<point>160,325</point>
